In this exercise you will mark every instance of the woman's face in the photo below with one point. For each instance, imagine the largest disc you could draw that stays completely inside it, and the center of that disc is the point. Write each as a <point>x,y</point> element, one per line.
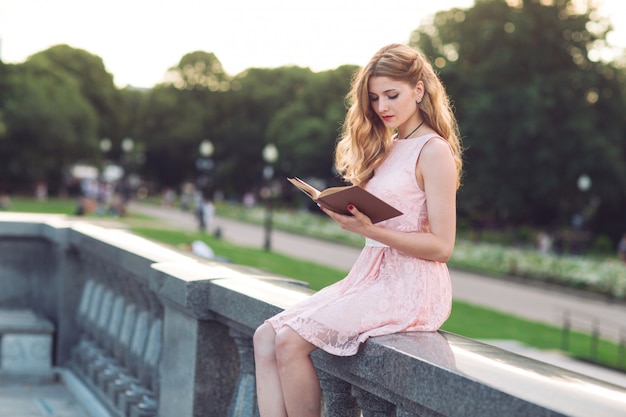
<point>395,102</point>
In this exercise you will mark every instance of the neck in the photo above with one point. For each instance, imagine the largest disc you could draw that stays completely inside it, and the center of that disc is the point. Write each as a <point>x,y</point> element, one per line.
<point>412,131</point>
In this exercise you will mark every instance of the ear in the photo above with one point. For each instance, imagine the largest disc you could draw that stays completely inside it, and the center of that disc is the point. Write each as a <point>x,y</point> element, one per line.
<point>419,90</point>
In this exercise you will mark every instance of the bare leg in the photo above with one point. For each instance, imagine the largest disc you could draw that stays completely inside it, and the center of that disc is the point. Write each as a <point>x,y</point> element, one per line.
<point>268,386</point>
<point>298,377</point>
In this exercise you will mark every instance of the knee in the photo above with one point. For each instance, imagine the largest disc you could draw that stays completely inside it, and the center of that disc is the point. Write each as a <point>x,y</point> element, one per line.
<point>290,345</point>
<point>264,342</point>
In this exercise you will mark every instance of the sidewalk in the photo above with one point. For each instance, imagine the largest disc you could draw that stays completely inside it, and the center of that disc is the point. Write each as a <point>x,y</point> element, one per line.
<point>533,302</point>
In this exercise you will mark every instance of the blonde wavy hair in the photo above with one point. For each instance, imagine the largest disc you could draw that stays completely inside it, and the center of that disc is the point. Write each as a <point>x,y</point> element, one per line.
<point>365,141</point>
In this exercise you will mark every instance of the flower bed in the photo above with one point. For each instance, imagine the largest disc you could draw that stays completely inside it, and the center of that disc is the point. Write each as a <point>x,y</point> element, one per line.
<point>604,276</point>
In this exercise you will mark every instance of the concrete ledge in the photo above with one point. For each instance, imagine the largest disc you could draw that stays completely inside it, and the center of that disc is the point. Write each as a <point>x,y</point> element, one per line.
<point>455,376</point>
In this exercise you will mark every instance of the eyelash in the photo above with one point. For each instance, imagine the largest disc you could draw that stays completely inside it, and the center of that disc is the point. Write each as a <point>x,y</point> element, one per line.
<point>389,97</point>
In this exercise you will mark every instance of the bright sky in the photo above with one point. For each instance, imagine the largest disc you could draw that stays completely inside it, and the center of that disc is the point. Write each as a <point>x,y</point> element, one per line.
<point>139,40</point>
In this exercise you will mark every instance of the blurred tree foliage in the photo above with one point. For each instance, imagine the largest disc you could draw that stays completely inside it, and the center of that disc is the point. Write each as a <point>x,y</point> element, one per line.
<point>49,124</point>
<point>537,110</point>
<point>94,82</point>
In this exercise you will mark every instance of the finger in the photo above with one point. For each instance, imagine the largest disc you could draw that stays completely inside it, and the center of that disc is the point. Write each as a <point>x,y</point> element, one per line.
<point>355,211</point>
<point>358,215</point>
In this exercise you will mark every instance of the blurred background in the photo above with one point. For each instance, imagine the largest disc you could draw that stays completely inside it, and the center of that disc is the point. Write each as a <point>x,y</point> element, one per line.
<point>539,89</point>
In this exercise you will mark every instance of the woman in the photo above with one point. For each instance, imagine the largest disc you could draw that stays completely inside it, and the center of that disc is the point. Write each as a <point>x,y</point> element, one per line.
<point>400,281</point>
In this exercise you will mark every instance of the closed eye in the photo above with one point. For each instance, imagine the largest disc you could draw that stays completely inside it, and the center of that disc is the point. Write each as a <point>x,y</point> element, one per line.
<point>375,98</point>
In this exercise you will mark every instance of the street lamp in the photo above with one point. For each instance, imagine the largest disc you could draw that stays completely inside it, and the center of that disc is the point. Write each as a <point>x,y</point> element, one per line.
<point>270,156</point>
<point>584,183</point>
<point>206,148</point>
<point>203,194</point>
<point>128,145</point>
<point>105,145</point>
<point>204,163</point>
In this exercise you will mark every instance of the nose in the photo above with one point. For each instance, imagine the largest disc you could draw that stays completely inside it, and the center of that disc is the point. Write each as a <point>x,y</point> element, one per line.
<point>381,105</point>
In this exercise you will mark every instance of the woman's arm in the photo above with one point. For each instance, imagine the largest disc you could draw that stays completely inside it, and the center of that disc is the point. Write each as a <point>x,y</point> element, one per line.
<point>436,175</point>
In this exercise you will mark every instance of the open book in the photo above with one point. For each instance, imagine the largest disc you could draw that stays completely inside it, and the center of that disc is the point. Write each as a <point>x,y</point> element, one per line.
<point>337,199</point>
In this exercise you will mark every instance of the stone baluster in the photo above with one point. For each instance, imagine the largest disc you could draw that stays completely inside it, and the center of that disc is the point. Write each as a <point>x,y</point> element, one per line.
<point>144,389</point>
<point>244,402</point>
<point>95,358</point>
<point>82,316</point>
<point>120,345</point>
<point>373,406</point>
<point>85,304</point>
<point>87,324</point>
<point>338,399</point>
<point>115,324</point>
<point>121,352</point>
<point>117,387</point>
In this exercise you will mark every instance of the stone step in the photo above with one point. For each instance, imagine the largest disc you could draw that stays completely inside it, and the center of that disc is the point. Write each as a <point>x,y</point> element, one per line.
<point>25,344</point>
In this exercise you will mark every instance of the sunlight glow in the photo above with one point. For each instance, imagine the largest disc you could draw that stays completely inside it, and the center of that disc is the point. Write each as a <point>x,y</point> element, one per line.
<point>139,41</point>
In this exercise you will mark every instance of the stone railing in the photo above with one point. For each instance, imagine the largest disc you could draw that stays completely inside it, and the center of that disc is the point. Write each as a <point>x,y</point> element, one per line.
<point>152,331</point>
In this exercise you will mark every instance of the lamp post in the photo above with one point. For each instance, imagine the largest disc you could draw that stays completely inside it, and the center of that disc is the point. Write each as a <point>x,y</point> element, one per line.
<point>204,165</point>
<point>270,156</point>
<point>105,145</point>
<point>128,145</point>
<point>584,183</point>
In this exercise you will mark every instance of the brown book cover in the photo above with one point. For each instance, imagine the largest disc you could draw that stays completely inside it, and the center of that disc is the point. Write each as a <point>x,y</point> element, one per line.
<point>338,199</point>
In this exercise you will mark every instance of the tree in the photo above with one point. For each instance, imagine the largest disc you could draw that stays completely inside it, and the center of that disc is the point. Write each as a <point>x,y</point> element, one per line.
<point>535,111</point>
<point>257,95</point>
<point>94,82</point>
<point>307,129</point>
<point>199,70</point>
<point>49,125</point>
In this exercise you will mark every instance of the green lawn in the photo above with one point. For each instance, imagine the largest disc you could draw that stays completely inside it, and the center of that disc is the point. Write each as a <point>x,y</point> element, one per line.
<point>468,320</point>
<point>51,206</point>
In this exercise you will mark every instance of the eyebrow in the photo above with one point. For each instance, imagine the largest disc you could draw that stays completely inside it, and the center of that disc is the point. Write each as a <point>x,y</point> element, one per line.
<point>387,91</point>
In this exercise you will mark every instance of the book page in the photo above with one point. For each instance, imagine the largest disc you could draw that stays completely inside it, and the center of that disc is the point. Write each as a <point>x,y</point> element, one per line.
<point>304,187</point>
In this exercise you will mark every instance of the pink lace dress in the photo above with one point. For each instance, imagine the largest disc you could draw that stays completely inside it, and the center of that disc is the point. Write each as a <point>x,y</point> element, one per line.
<point>386,291</point>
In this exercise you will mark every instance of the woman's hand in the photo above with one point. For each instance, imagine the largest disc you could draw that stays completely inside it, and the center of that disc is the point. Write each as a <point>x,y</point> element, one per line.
<point>358,223</point>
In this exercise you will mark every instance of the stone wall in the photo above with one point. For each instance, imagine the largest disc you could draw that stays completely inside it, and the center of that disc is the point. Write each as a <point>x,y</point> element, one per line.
<point>154,331</point>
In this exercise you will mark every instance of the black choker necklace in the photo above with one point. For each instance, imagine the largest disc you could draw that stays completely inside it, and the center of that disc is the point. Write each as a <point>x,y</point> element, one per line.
<point>414,130</point>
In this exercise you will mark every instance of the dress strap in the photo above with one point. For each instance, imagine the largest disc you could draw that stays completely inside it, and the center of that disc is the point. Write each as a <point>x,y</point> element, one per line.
<point>372,242</point>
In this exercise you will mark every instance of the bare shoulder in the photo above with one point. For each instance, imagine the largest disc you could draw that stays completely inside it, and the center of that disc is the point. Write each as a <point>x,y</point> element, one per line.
<point>436,162</point>
<point>436,148</point>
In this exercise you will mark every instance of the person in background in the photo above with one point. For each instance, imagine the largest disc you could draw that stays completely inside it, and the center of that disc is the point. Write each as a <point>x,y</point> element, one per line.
<point>5,201</point>
<point>621,248</point>
<point>400,141</point>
